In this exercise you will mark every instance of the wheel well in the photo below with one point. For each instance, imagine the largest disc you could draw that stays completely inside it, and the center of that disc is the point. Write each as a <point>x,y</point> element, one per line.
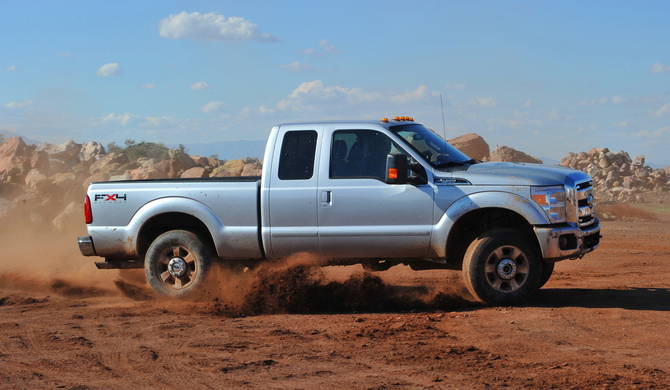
<point>476,222</point>
<point>162,223</point>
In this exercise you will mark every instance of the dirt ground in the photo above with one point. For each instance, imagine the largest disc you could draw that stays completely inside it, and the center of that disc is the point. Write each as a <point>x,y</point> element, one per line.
<point>600,322</point>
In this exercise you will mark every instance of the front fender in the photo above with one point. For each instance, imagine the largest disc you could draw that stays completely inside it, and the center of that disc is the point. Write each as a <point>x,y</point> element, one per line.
<point>480,200</point>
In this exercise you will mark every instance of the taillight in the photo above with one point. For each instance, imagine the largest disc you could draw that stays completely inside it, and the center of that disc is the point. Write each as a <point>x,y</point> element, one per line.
<point>88,214</point>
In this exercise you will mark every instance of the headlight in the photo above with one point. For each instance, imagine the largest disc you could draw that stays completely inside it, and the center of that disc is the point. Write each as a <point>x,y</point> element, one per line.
<point>552,200</point>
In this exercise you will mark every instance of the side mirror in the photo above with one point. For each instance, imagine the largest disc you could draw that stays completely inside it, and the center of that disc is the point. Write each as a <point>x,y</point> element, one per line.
<point>396,169</point>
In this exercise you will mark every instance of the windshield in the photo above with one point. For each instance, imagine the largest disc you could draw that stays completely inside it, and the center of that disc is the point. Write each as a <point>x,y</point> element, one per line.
<point>433,148</point>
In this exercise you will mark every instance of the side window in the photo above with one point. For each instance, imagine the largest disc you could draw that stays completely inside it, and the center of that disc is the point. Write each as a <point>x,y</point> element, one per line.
<point>298,149</point>
<point>360,153</point>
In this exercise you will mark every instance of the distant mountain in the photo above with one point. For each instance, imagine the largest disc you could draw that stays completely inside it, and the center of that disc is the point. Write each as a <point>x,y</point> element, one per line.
<point>549,161</point>
<point>10,134</point>
<point>227,150</point>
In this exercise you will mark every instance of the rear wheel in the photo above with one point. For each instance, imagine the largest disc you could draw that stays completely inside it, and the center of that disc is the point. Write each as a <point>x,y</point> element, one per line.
<point>177,264</point>
<point>502,267</point>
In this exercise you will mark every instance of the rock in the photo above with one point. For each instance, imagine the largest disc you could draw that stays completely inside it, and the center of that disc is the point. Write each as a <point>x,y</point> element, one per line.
<point>66,151</point>
<point>472,145</point>
<point>64,180</point>
<point>16,160</point>
<point>7,208</point>
<point>37,181</point>
<point>182,158</point>
<point>195,172</point>
<point>109,162</point>
<point>504,153</point>
<point>172,168</point>
<point>123,177</point>
<point>149,172</point>
<point>91,151</point>
<point>230,168</point>
<point>70,218</point>
<point>96,177</point>
<point>201,161</point>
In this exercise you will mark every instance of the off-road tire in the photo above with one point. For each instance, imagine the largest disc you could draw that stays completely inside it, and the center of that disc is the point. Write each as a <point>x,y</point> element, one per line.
<point>547,270</point>
<point>177,264</point>
<point>502,267</point>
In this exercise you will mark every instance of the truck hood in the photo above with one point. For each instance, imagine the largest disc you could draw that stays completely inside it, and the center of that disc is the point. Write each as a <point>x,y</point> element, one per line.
<point>519,174</point>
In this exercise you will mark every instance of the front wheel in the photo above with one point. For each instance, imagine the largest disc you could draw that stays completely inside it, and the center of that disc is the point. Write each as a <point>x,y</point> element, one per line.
<point>502,267</point>
<point>176,264</point>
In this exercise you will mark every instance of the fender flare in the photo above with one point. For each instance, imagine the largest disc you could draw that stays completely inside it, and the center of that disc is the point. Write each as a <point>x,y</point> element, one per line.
<point>174,205</point>
<point>525,207</point>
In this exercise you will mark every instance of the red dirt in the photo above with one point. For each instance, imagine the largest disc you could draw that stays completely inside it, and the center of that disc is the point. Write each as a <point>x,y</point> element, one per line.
<point>600,322</point>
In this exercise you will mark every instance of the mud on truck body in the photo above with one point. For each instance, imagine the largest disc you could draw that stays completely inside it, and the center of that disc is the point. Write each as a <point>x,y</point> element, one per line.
<point>377,193</point>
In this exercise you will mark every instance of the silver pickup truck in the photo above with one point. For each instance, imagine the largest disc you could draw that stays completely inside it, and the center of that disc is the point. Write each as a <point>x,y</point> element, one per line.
<point>377,193</point>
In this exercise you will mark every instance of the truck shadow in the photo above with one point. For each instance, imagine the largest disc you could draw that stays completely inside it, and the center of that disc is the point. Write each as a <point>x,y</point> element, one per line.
<point>634,298</point>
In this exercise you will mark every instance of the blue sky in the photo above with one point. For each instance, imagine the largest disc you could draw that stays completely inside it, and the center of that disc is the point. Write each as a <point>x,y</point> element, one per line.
<point>543,77</point>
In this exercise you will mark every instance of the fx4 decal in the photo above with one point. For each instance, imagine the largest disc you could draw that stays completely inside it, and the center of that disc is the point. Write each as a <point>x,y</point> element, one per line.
<point>110,197</point>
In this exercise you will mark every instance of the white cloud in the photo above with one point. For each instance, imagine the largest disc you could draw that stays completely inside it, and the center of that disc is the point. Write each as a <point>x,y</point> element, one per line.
<point>111,69</point>
<point>297,67</point>
<point>327,47</point>
<point>64,55</point>
<point>455,86</point>
<point>418,93</point>
<point>15,105</point>
<point>158,121</point>
<point>265,110</point>
<point>148,86</point>
<point>129,119</point>
<point>11,68</point>
<point>617,99</point>
<point>656,134</point>
<point>659,68</point>
<point>213,107</point>
<point>621,124</point>
<point>211,27</point>
<point>199,86</point>
<point>484,102</point>
<point>661,112</point>
<point>313,94</point>
<point>121,119</point>
<point>527,104</point>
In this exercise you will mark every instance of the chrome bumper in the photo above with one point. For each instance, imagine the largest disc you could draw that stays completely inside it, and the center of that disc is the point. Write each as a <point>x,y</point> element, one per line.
<point>568,241</point>
<point>86,246</point>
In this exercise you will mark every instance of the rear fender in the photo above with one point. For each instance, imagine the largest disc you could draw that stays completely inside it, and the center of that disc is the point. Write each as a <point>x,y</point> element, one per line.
<point>123,241</point>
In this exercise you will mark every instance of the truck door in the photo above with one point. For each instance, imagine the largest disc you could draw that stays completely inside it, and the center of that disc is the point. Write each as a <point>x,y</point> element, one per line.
<point>293,191</point>
<point>360,216</point>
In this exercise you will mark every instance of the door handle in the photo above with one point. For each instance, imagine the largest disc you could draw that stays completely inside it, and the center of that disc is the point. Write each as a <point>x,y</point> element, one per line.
<point>326,198</point>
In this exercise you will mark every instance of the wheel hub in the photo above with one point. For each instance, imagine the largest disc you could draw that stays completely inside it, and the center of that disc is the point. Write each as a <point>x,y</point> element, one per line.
<point>506,269</point>
<point>177,267</point>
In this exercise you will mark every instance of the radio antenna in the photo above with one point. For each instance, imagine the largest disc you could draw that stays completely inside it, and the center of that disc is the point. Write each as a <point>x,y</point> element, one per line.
<point>444,126</point>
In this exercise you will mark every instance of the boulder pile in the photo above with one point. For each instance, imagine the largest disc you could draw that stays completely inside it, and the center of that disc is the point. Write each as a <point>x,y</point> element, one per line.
<point>616,176</point>
<point>505,153</point>
<point>44,185</point>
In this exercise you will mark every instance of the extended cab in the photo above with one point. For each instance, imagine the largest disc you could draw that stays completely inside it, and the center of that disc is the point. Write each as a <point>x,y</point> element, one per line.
<point>378,193</point>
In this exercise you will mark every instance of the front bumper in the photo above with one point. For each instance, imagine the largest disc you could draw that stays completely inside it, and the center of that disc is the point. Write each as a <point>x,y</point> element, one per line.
<point>567,241</point>
<point>86,246</point>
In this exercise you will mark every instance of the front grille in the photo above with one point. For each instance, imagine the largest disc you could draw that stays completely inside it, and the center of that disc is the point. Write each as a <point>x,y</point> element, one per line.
<point>585,204</point>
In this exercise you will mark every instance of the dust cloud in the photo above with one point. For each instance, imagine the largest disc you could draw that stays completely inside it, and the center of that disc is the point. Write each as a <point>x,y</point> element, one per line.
<point>623,211</point>
<point>300,285</point>
<point>39,260</point>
